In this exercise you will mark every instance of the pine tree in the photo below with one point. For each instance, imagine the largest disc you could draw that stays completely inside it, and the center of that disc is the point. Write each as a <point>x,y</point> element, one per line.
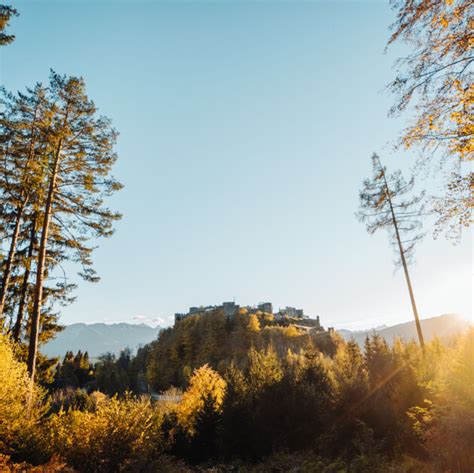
<point>23,122</point>
<point>79,156</point>
<point>381,207</point>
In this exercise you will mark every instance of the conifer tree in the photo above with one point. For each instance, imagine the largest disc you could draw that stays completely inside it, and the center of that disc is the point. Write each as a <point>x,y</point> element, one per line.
<point>382,207</point>
<point>79,156</point>
<point>23,124</point>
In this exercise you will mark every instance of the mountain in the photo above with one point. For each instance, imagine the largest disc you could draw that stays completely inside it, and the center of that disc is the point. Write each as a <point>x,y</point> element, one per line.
<point>442,326</point>
<point>100,338</point>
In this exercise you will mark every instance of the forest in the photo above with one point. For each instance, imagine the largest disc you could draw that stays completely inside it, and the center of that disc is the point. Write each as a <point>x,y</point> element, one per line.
<point>273,399</point>
<point>224,393</point>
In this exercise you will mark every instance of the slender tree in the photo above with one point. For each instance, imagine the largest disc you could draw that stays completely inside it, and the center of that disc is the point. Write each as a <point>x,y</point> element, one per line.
<point>382,207</point>
<point>22,126</point>
<point>79,157</point>
<point>436,78</point>
<point>28,259</point>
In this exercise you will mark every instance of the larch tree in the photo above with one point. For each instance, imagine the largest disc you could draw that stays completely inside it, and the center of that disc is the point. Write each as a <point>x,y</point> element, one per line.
<point>436,79</point>
<point>386,202</point>
<point>79,156</point>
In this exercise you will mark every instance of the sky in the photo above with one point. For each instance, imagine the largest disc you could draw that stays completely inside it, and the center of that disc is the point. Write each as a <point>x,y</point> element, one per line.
<point>246,129</point>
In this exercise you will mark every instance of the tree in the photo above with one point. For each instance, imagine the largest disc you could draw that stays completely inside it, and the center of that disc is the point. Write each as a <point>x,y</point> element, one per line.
<point>205,393</point>
<point>254,323</point>
<point>381,207</point>
<point>264,368</point>
<point>6,12</point>
<point>77,159</point>
<point>438,77</point>
<point>444,421</point>
<point>22,122</point>
<point>26,126</point>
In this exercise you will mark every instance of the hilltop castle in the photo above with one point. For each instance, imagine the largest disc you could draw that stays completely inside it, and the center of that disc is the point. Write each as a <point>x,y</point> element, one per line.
<point>230,309</point>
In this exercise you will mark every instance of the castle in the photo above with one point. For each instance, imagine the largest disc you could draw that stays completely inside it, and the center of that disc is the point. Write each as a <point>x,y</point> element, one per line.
<point>230,309</point>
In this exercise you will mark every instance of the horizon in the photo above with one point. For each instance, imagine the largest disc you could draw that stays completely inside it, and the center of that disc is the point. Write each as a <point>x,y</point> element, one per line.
<point>246,131</point>
<point>342,327</point>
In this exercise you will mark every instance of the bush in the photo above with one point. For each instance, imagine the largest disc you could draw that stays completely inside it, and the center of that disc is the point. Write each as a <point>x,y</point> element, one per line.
<point>120,435</point>
<point>21,409</point>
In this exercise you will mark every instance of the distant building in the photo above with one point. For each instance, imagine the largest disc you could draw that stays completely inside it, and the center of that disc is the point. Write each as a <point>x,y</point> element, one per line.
<point>292,312</point>
<point>231,309</point>
<point>266,307</point>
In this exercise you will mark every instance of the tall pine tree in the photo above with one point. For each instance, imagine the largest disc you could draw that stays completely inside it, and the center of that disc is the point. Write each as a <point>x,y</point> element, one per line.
<point>79,155</point>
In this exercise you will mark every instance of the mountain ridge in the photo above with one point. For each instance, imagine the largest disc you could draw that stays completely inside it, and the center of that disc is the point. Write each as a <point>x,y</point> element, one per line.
<point>441,326</point>
<point>99,338</point>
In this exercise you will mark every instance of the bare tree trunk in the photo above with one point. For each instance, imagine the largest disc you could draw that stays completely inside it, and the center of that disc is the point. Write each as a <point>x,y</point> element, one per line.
<point>24,286</point>
<point>40,269</point>
<point>405,266</point>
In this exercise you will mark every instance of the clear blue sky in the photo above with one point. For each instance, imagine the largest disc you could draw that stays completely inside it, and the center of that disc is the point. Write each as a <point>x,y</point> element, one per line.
<point>246,130</point>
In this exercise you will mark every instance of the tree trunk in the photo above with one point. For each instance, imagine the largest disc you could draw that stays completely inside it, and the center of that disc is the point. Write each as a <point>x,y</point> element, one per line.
<point>40,269</point>
<point>405,266</point>
<point>9,263</point>
<point>24,286</point>
<point>21,207</point>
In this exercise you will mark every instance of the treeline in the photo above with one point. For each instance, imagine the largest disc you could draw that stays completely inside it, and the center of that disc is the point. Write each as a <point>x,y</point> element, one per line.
<point>213,339</point>
<point>110,374</point>
<point>379,408</point>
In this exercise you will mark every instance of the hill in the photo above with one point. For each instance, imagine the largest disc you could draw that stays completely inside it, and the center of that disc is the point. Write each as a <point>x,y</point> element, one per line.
<point>100,338</point>
<point>442,326</point>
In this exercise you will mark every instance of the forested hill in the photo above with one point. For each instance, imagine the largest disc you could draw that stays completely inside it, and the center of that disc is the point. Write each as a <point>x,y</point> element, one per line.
<point>221,341</point>
<point>442,326</point>
<point>100,338</point>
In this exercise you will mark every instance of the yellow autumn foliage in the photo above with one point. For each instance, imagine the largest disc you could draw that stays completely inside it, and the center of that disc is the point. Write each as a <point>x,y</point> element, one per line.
<point>21,403</point>
<point>121,434</point>
<point>206,391</point>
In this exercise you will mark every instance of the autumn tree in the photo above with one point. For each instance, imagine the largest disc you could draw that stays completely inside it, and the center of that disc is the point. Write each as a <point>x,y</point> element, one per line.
<point>437,80</point>
<point>6,13</point>
<point>384,204</point>
<point>254,323</point>
<point>199,412</point>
